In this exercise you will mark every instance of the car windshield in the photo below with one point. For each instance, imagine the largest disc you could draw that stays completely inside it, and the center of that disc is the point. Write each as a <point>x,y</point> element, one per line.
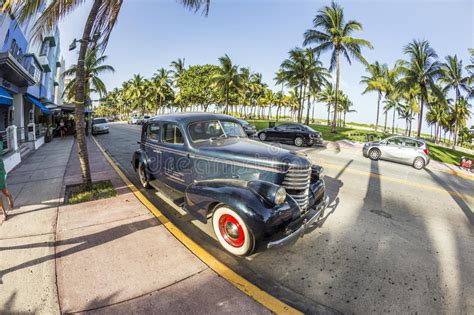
<point>310,129</point>
<point>213,129</point>
<point>99,121</point>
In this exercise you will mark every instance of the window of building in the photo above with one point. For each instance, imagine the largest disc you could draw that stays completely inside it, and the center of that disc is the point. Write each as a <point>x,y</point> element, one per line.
<point>44,48</point>
<point>172,134</point>
<point>154,132</point>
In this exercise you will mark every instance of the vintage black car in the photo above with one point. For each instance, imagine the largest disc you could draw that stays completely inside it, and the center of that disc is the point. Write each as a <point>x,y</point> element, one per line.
<point>297,134</point>
<point>258,196</point>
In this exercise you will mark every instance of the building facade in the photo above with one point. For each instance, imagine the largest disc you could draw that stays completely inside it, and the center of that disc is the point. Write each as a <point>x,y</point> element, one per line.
<point>30,86</point>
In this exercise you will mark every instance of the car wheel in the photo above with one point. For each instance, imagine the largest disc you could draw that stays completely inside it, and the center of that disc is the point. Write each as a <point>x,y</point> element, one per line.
<point>262,136</point>
<point>298,141</point>
<point>232,232</point>
<point>310,143</point>
<point>419,163</point>
<point>374,154</point>
<point>142,176</point>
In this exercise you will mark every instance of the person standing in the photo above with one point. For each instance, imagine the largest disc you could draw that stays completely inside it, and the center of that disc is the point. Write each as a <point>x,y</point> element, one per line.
<point>61,128</point>
<point>3,188</point>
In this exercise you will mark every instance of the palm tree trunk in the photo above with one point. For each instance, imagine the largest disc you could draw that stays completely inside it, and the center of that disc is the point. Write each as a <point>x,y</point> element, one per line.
<point>312,115</point>
<point>385,124</point>
<point>393,122</point>
<point>80,97</point>
<point>308,109</point>
<point>420,118</point>
<point>455,136</point>
<point>329,114</point>
<point>334,127</point>
<point>378,111</point>
<point>345,119</point>
<point>227,101</point>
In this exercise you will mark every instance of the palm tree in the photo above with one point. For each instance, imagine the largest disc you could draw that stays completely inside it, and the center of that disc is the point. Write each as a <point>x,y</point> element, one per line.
<point>421,71</point>
<point>375,82</point>
<point>331,32</point>
<point>327,96</point>
<point>453,78</point>
<point>136,91</point>
<point>161,88</point>
<point>228,79</point>
<point>346,105</point>
<point>393,104</point>
<point>317,79</point>
<point>294,70</point>
<point>178,67</point>
<point>94,66</point>
<point>99,25</point>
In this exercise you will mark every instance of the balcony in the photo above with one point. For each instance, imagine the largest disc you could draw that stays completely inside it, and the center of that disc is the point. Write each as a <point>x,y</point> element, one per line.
<point>44,63</point>
<point>21,70</point>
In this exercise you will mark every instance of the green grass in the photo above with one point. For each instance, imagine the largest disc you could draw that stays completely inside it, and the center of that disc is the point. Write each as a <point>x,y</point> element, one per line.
<point>442,154</point>
<point>100,190</point>
<point>437,152</point>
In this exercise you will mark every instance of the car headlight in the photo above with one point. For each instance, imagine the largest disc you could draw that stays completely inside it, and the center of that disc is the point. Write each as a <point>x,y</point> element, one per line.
<point>272,193</point>
<point>280,196</point>
<point>317,172</point>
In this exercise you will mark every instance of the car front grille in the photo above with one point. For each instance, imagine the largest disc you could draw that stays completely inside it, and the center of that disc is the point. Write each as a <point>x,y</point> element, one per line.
<point>296,183</point>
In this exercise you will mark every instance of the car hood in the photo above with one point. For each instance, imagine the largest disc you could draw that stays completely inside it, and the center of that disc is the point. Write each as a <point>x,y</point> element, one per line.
<point>251,152</point>
<point>100,125</point>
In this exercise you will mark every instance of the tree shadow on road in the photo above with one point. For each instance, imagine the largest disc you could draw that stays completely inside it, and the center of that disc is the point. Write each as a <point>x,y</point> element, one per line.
<point>456,197</point>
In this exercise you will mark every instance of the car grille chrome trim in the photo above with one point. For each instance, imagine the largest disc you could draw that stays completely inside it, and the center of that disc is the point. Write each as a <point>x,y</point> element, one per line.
<point>296,183</point>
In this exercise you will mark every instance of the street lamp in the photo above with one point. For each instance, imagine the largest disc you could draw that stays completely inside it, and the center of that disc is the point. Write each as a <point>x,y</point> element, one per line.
<point>94,39</point>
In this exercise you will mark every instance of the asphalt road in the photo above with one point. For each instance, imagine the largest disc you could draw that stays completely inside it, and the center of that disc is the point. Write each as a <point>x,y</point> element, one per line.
<point>394,239</point>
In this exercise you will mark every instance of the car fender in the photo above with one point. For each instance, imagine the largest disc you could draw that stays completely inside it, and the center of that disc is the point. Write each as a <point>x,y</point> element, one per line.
<point>202,197</point>
<point>140,156</point>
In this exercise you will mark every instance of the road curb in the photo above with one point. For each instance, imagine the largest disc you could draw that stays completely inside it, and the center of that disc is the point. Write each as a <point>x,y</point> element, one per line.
<point>262,297</point>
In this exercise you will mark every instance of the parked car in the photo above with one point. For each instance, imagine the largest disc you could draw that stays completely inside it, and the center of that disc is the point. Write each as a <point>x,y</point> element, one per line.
<point>399,149</point>
<point>249,129</point>
<point>134,120</point>
<point>257,197</point>
<point>100,125</point>
<point>297,134</point>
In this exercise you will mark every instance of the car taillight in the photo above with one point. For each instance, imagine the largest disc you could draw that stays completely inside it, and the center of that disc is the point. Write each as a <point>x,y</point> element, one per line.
<point>426,151</point>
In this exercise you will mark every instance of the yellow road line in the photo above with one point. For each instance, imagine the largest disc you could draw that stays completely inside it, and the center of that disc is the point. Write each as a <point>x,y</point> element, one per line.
<point>470,177</point>
<point>399,181</point>
<point>222,270</point>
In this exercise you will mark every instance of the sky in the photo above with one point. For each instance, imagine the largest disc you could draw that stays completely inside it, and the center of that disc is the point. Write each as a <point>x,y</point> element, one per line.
<point>259,33</point>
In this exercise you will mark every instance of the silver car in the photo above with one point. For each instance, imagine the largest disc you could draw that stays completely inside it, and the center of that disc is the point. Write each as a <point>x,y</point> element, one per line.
<point>399,149</point>
<point>100,125</point>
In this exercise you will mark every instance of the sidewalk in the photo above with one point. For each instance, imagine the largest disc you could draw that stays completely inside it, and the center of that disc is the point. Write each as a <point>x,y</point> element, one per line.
<point>110,255</point>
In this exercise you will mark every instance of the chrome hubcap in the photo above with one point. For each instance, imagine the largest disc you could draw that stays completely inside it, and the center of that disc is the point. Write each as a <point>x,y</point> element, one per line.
<point>232,230</point>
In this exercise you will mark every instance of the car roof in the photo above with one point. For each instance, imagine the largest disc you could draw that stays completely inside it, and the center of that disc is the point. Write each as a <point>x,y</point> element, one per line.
<point>186,118</point>
<point>406,137</point>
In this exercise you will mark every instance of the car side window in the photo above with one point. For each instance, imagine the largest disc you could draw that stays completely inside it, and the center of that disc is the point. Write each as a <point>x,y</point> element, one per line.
<point>294,127</point>
<point>394,141</point>
<point>172,134</point>
<point>153,132</point>
<point>411,143</point>
<point>281,127</point>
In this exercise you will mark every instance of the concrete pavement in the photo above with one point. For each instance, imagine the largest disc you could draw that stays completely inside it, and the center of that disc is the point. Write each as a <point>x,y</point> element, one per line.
<point>105,256</point>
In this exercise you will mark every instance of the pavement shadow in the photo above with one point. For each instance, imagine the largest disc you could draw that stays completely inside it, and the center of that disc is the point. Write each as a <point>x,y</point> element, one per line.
<point>456,197</point>
<point>81,243</point>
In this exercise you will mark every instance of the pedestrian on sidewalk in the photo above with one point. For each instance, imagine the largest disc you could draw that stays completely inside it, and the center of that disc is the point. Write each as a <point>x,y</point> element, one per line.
<point>3,188</point>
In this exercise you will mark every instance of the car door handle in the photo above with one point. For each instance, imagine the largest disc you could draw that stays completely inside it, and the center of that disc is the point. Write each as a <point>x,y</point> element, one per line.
<point>157,151</point>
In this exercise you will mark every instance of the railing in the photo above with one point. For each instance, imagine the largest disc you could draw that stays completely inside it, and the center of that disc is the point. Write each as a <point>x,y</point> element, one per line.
<point>24,134</point>
<point>4,139</point>
<point>40,130</point>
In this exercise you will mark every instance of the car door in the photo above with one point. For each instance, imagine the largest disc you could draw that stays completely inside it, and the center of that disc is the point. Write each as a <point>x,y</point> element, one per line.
<point>410,150</point>
<point>393,149</point>
<point>154,153</point>
<point>175,157</point>
<point>292,132</point>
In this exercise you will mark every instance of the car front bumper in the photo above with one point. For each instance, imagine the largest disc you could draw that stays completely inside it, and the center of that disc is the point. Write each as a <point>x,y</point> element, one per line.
<point>96,131</point>
<point>310,218</point>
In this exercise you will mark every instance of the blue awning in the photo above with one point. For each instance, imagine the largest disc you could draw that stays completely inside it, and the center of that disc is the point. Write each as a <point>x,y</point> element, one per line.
<point>5,97</point>
<point>35,101</point>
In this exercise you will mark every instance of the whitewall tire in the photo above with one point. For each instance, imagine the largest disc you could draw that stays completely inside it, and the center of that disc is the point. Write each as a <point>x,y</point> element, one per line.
<point>232,232</point>
<point>262,136</point>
